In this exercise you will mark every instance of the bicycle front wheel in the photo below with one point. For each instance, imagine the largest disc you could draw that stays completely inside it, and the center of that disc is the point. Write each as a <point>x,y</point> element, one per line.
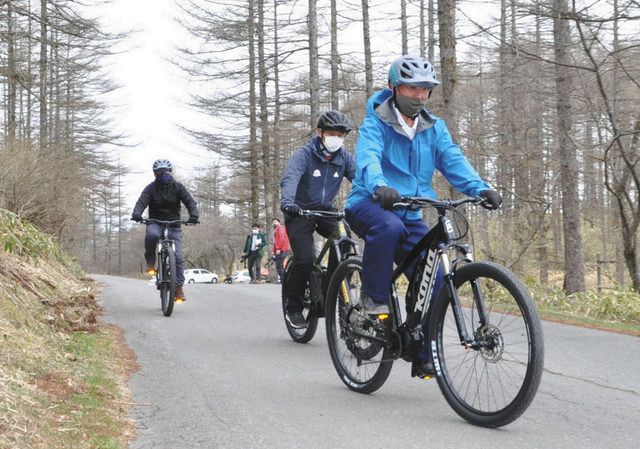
<point>168,286</point>
<point>303,335</point>
<point>362,363</point>
<point>493,384</point>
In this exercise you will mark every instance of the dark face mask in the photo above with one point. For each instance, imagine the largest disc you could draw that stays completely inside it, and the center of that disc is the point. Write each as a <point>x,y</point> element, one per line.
<point>410,107</point>
<point>164,178</point>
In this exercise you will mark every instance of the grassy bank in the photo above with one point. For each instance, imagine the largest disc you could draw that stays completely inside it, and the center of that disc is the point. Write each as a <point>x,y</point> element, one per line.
<point>61,373</point>
<point>616,310</point>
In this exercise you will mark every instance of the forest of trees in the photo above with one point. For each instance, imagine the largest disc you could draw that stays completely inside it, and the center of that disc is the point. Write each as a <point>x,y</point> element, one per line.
<point>544,98</point>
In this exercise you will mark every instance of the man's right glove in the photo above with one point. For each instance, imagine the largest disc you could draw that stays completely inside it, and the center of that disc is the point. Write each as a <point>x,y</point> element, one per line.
<point>292,210</point>
<point>136,217</point>
<point>387,197</point>
<point>493,200</point>
<point>193,219</point>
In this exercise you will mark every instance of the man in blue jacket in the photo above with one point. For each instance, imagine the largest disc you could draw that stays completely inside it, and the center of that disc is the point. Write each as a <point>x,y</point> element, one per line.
<point>399,147</point>
<point>311,180</point>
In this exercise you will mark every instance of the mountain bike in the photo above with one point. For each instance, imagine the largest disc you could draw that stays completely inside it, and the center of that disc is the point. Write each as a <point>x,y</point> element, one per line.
<point>166,273</point>
<point>343,246</point>
<point>484,334</point>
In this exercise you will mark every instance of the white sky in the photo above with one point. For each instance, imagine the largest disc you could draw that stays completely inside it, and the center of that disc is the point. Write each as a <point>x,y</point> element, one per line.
<point>151,102</point>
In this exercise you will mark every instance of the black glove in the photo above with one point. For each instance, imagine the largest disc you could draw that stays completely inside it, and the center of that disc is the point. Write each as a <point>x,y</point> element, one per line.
<point>293,210</point>
<point>136,217</point>
<point>387,197</point>
<point>193,220</point>
<point>492,199</point>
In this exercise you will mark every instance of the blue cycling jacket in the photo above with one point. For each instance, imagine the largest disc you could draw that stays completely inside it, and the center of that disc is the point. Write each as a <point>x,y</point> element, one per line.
<point>385,156</point>
<point>310,180</point>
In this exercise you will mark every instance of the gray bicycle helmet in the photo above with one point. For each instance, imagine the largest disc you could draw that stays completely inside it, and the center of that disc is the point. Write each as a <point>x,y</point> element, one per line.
<point>162,164</point>
<point>412,71</point>
<point>334,120</point>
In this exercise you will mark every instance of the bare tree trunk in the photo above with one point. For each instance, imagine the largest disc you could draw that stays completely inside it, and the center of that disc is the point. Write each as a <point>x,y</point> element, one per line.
<point>11,77</point>
<point>368,64</point>
<point>276,111</point>
<point>264,113</point>
<point>253,122</point>
<point>448,65</point>
<point>574,265</point>
<point>314,76</point>
<point>423,37</point>
<point>120,201</point>
<point>538,175</point>
<point>335,58</point>
<point>27,130</point>
<point>432,34</point>
<point>43,74</point>
<point>403,26</point>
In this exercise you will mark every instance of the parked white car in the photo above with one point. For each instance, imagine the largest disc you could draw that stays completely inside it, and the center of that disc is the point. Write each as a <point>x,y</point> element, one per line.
<point>194,275</point>
<point>240,277</point>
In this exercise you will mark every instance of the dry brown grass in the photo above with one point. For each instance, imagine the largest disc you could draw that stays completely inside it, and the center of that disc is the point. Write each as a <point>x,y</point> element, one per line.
<point>62,376</point>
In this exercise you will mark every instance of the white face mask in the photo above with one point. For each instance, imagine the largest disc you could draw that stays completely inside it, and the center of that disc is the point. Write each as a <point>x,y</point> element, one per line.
<point>332,143</point>
<point>254,231</point>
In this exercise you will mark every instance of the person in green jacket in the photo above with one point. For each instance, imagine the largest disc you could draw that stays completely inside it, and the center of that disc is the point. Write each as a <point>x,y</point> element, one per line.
<point>253,251</point>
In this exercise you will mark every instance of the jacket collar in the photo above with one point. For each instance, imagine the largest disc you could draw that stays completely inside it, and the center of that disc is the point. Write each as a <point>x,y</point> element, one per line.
<point>384,111</point>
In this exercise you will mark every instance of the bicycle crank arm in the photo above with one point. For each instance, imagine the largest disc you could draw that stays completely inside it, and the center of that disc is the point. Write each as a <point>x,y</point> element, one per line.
<point>368,337</point>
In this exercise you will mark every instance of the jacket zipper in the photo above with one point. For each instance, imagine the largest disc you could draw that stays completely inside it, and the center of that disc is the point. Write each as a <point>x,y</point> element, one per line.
<point>324,182</point>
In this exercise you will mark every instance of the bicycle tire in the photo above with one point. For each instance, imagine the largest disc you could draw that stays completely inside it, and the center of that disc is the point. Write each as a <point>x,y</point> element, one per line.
<point>515,352</point>
<point>299,335</point>
<point>346,349</point>
<point>168,287</point>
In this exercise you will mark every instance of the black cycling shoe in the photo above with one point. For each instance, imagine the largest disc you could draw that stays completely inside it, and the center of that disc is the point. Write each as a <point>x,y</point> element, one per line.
<point>423,369</point>
<point>296,320</point>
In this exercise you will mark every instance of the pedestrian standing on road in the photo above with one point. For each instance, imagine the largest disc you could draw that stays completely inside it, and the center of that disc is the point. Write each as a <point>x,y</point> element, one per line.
<point>253,251</point>
<point>281,246</point>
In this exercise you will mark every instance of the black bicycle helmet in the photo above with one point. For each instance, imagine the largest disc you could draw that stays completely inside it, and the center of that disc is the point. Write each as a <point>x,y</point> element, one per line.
<point>334,120</point>
<point>162,164</point>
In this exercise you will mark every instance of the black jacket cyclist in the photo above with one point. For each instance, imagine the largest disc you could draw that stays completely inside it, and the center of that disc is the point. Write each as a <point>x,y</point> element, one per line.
<point>164,197</point>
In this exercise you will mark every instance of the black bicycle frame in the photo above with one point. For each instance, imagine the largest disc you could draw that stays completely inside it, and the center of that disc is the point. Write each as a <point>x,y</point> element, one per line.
<point>431,252</point>
<point>334,243</point>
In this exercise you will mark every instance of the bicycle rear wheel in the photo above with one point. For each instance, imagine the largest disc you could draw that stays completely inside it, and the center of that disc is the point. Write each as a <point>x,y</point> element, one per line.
<point>168,285</point>
<point>363,365</point>
<point>490,386</point>
<point>303,335</point>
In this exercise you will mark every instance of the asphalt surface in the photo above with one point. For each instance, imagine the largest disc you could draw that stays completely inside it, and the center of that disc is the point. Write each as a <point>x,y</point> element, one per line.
<point>222,372</point>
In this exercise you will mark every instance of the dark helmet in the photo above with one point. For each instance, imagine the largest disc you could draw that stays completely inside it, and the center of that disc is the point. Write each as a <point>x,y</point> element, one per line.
<point>162,164</point>
<point>334,120</point>
<point>412,71</point>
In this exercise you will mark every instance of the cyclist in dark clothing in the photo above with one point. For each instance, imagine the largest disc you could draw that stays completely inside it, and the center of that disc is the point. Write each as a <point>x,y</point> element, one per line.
<point>163,197</point>
<point>311,180</point>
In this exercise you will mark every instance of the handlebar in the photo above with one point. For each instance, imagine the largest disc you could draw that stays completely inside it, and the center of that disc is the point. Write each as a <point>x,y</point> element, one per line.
<point>322,213</point>
<point>418,202</point>
<point>166,222</point>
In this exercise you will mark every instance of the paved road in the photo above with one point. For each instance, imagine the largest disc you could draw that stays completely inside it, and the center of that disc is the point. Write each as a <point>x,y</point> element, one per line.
<point>223,373</point>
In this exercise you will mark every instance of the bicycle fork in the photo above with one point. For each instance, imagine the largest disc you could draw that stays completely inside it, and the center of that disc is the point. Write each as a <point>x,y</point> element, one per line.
<point>466,340</point>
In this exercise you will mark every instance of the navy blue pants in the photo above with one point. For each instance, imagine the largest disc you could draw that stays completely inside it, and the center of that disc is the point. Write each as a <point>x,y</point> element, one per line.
<point>154,233</point>
<point>388,239</point>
